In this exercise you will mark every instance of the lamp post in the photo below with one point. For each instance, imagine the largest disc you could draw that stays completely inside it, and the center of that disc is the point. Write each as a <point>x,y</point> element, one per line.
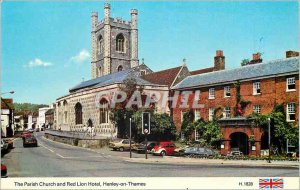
<point>269,139</point>
<point>11,92</point>
<point>130,137</point>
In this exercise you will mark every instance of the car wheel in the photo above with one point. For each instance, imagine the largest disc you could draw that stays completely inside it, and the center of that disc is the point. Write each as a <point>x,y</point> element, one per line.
<point>121,149</point>
<point>163,153</point>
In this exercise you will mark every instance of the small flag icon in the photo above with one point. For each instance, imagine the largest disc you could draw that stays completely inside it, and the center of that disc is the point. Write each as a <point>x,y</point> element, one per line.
<point>271,183</point>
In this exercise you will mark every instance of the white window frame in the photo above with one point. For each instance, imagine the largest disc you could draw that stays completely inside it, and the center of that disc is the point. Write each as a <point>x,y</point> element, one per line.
<point>290,81</point>
<point>196,135</point>
<point>257,109</point>
<point>211,93</point>
<point>197,115</point>
<point>211,114</point>
<point>227,90</point>
<point>256,86</point>
<point>290,109</point>
<point>226,112</point>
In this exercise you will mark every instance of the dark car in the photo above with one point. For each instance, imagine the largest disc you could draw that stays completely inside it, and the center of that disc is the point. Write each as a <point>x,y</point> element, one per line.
<point>3,170</point>
<point>26,134</point>
<point>150,145</point>
<point>198,151</point>
<point>30,141</point>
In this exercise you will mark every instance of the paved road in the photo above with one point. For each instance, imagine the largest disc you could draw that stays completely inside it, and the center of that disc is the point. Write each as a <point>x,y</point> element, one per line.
<point>52,159</point>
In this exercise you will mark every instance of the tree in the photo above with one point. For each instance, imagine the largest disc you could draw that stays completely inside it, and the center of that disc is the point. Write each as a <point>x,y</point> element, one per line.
<point>281,130</point>
<point>244,62</point>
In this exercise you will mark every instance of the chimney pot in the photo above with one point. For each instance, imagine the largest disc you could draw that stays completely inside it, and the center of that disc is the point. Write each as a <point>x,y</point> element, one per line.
<point>219,53</point>
<point>291,54</point>
<point>256,56</point>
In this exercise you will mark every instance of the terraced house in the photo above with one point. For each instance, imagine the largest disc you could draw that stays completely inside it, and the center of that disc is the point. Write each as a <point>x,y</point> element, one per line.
<point>258,85</point>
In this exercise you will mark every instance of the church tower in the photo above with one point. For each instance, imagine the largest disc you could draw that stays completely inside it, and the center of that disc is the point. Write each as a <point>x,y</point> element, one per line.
<point>114,43</point>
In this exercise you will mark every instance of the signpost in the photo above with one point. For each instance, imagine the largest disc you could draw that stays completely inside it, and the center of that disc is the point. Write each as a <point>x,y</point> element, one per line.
<point>269,140</point>
<point>146,129</point>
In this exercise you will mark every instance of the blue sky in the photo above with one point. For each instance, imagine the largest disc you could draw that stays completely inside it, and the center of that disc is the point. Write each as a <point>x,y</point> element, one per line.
<point>46,45</point>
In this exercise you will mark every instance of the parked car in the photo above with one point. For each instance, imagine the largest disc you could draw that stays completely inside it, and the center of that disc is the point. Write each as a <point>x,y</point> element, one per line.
<point>30,141</point>
<point>164,148</point>
<point>150,145</point>
<point>10,143</point>
<point>4,146</point>
<point>198,151</point>
<point>122,145</point>
<point>3,171</point>
<point>26,134</point>
<point>235,152</point>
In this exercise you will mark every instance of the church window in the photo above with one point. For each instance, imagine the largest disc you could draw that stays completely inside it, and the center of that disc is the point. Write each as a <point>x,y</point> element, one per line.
<point>104,111</point>
<point>120,68</point>
<point>100,45</point>
<point>78,114</point>
<point>120,43</point>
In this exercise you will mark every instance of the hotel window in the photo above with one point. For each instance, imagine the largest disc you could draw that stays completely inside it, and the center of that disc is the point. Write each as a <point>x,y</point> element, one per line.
<point>256,88</point>
<point>196,135</point>
<point>211,93</point>
<point>197,115</point>
<point>256,109</point>
<point>290,84</point>
<point>211,114</point>
<point>226,112</point>
<point>291,113</point>
<point>227,91</point>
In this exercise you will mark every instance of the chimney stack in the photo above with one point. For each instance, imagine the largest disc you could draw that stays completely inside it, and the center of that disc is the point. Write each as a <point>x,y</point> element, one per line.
<point>291,54</point>
<point>256,58</point>
<point>219,61</point>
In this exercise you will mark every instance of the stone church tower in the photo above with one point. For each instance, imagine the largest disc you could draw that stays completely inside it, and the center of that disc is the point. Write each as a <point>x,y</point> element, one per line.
<point>114,43</point>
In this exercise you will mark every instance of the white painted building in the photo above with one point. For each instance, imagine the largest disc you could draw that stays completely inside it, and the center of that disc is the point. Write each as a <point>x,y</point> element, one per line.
<point>41,120</point>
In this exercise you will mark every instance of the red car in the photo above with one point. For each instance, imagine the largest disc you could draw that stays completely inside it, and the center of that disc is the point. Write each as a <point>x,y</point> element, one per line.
<point>164,148</point>
<point>26,134</point>
<point>3,170</point>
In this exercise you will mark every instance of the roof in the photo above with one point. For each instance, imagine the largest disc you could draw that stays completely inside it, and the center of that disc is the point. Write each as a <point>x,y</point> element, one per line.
<point>201,71</point>
<point>49,112</point>
<point>163,77</point>
<point>7,103</point>
<point>276,67</point>
<point>114,78</point>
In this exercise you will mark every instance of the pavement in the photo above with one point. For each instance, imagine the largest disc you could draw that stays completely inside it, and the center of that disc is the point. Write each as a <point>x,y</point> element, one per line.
<point>219,162</point>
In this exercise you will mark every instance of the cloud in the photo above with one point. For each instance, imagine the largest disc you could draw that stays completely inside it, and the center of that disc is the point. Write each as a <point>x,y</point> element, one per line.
<point>38,63</point>
<point>81,57</point>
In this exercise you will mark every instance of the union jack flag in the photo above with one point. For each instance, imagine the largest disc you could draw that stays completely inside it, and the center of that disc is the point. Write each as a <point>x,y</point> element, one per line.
<point>271,183</point>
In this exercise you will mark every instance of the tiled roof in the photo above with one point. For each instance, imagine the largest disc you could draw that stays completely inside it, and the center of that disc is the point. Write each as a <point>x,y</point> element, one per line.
<point>164,77</point>
<point>50,111</point>
<point>114,78</point>
<point>7,103</point>
<point>270,68</point>
<point>201,71</point>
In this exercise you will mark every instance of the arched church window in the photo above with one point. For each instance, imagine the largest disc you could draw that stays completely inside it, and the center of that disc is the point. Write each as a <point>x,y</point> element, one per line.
<point>100,45</point>
<point>104,111</point>
<point>120,43</point>
<point>78,113</point>
<point>120,68</point>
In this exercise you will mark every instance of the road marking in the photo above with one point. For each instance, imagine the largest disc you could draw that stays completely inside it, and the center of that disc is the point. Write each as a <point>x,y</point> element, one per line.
<point>83,157</point>
<point>60,155</point>
<point>46,147</point>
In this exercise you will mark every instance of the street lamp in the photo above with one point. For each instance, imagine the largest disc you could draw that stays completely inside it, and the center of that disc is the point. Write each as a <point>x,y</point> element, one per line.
<point>269,140</point>
<point>11,92</point>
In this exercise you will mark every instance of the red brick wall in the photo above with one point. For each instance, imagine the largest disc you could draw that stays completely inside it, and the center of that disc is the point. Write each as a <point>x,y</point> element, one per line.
<point>273,90</point>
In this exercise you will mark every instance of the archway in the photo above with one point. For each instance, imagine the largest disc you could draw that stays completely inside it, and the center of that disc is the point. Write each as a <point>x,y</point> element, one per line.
<point>239,140</point>
<point>90,123</point>
<point>264,141</point>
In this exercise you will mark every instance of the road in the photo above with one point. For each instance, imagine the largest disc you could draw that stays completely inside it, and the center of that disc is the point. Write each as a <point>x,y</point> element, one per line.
<point>52,159</point>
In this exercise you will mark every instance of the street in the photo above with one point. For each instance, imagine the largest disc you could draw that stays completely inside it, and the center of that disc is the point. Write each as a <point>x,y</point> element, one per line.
<point>52,159</point>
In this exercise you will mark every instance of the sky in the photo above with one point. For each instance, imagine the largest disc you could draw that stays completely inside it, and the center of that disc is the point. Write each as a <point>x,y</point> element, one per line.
<point>46,46</point>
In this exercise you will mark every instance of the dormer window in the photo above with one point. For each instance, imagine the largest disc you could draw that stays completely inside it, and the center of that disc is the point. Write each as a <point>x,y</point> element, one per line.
<point>143,72</point>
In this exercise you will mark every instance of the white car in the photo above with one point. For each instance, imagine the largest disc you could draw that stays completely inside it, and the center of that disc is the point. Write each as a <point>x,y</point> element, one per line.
<point>4,145</point>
